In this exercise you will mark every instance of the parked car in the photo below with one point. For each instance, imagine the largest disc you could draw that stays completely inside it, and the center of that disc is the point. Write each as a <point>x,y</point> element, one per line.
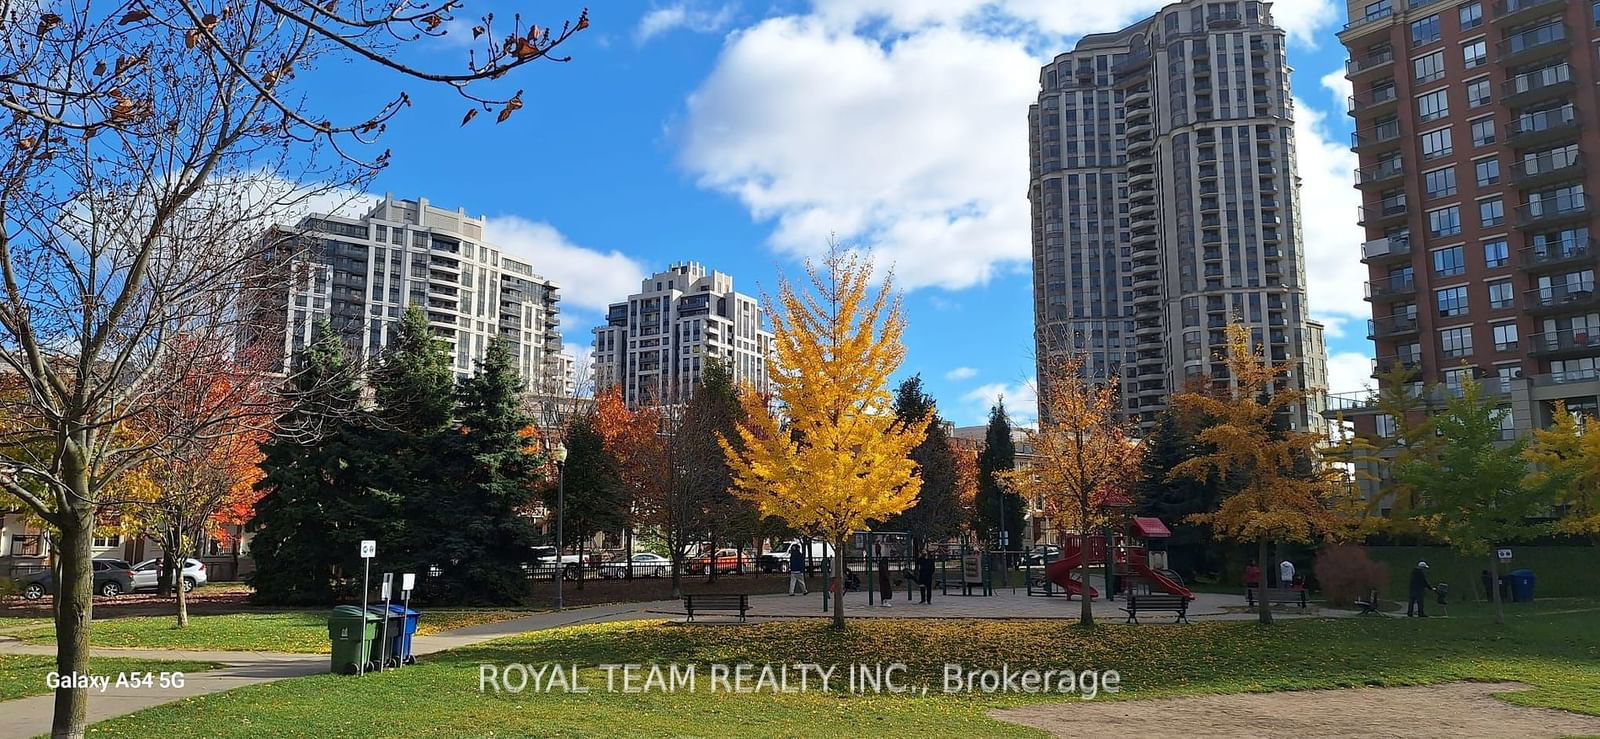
<point>545,563</point>
<point>645,564</point>
<point>1042,555</point>
<point>112,577</point>
<point>726,560</point>
<point>147,574</point>
<point>777,560</point>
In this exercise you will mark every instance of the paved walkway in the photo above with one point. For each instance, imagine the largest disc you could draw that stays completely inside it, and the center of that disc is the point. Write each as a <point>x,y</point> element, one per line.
<point>30,716</point>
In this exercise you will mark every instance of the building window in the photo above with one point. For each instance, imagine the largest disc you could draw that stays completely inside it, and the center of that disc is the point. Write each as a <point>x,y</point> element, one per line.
<point>1491,212</point>
<point>1425,31</point>
<point>1444,221</point>
<point>1385,425</point>
<point>1433,106</point>
<point>1452,301</point>
<point>1501,294</point>
<point>1496,253</point>
<point>1429,68</point>
<point>1436,144</point>
<point>1478,92</point>
<point>1440,182</point>
<point>1475,54</point>
<point>1505,337</point>
<point>1471,15</point>
<point>106,542</point>
<point>1487,171</point>
<point>1456,342</point>
<point>1449,261</point>
<point>1483,132</point>
<point>27,545</point>
<point>1378,9</point>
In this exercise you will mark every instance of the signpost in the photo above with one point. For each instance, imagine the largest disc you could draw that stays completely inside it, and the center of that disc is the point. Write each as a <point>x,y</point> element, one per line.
<point>369,549</point>
<point>383,646</point>
<point>407,582</point>
<point>1504,554</point>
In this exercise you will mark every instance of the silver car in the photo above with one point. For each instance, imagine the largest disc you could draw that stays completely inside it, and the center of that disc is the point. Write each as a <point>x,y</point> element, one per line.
<point>645,564</point>
<point>147,574</point>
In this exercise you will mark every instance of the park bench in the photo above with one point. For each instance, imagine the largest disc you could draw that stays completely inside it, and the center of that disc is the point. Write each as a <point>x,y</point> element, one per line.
<point>1280,595</point>
<point>728,603</point>
<point>1157,602</point>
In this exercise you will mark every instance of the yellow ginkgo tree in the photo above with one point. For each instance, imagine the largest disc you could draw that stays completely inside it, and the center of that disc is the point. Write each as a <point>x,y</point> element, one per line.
<point>838,457</point>
<point>1566,458</point>
<point>1283,490</point>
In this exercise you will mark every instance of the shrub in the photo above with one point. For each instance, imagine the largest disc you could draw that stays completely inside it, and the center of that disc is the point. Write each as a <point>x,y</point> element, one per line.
<point>1347,574</point>
<point>9,587</point>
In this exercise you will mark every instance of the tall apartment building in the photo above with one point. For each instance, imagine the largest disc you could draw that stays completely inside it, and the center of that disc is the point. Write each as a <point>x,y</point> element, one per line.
<point>1164,201</point>
<point>655,344</point>
<point>362,273</point>
<point>1473,121</point>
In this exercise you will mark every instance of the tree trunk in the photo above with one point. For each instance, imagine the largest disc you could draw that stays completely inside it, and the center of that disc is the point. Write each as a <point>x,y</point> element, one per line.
<point>838,581</point>
<point>711,560</point>
<point>183,596</point>
<point>627,546</point>
<point>1086,613</point>
<point>677,572</point>
<point>1264,606</point>
<point>74,612</point>
<point>1494,588</point>
<point>580,564</point>
<point>164,581</point>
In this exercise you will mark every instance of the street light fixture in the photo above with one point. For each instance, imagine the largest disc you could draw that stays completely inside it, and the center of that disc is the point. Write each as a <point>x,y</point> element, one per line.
<point>559,454</point>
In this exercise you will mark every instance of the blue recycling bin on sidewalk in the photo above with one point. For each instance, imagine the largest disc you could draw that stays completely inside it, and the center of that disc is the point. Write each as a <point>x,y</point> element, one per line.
<point>1521,586</point>
<point>402,626</point>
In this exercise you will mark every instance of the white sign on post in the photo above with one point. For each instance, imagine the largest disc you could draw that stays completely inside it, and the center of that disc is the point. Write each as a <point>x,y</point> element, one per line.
<point>369,548</point>
<point>388,582</point>
<point>1504,554</point>
<point>408,582</point>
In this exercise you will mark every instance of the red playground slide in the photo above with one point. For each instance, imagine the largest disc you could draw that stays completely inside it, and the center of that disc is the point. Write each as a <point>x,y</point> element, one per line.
<point>1160,581</point>
<point>1060,573</point>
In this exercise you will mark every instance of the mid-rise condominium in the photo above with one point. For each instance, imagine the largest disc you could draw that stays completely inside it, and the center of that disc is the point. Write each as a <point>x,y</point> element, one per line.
<point>362,273</point>
<point>1165,204</point>
<point>655,345</point>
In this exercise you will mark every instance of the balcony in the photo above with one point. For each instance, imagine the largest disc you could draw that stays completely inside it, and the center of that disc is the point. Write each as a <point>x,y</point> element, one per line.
<point>1565,378</point>
<point>1373,102</point>
<point>1389,326</point>
<point>1386,212</point>
<point>1389,247</point>
<point>1540,84</point>
<point>1546,168</point>
<point>1392,288</point>
<point>1557,254</point>
<point>1548,211</point>
<point>1385,171</point>
<point>1559,297</point>
<point>1511,12</point>
<point>1566,342</point>
<point>1411,362</point>
<point>1368,22</point>
<point>1550,38</point>
<point>1375,136</point>
<point>1530,129</point>
<point>1378,60</point>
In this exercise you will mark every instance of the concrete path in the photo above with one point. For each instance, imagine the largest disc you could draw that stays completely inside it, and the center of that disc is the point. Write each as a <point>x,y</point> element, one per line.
<point>31,716</point>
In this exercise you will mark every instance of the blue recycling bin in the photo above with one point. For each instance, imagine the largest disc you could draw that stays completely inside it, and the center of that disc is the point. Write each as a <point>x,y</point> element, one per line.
<point>1521,586</point>
<point>402,626</point>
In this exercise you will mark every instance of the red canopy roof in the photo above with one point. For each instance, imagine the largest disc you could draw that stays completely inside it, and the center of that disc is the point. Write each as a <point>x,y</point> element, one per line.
<point>1151,527</point>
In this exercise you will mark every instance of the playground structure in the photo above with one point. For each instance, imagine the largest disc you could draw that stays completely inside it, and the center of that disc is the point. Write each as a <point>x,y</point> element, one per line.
<point>1127,553</point>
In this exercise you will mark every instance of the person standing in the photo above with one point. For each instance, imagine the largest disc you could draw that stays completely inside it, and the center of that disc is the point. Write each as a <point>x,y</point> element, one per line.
<point>1285,573</point>
<point>885,587</point>
<point>1252,580</point>
<point>797,570</point>
<point>1419,586</point>
<point>925,575</point>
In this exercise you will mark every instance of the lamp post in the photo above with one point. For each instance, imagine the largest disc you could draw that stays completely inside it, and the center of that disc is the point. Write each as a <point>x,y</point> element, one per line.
<point>560,455</point>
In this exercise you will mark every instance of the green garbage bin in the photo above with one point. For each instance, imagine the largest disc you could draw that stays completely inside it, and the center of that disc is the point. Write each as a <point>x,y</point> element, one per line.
<point>349,628</point>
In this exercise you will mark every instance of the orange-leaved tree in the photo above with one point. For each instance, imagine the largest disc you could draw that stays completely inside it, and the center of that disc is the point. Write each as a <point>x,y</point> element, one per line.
<point>839,457</point>
<point>1567,460</point>
<point>1085,462</point>
<point>1282,489</point>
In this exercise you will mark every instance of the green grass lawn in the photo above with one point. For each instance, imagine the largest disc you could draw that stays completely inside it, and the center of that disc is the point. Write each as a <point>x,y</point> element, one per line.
<point>1552,647</point>
<point>22,675</point>
<point>275,631</point>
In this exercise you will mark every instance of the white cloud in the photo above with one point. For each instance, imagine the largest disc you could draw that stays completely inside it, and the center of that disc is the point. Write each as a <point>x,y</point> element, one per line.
<point>1304,20</point>
<point>1022,404</point>
<point>590,279</point>
<point>686,16</point>
<point>960,373</point>
<point>1328,205</point>
<point>1349,372</point>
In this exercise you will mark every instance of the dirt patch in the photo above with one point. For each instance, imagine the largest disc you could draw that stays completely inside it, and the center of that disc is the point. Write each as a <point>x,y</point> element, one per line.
<point>1455,710</point>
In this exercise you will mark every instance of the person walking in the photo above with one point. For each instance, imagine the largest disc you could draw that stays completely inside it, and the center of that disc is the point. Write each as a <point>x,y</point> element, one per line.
<point>1252,580</point>
<point>1285,574</point>
<point>885,587</point>
<point>797,570</point>
<point>1419,586</point>
<point>925,575</point>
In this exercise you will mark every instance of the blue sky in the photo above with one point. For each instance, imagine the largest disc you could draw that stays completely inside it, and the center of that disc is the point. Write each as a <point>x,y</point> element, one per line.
<point>742,134</point>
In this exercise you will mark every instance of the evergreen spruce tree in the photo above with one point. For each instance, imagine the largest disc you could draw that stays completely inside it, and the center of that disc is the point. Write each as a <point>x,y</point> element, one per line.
<point>596,500</point>
<point>414,386</point>
<point>482,536</point>
<point>999,453</point>
<point>1191,550</point>
<point>937,512</point>
<point>314,509</point>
